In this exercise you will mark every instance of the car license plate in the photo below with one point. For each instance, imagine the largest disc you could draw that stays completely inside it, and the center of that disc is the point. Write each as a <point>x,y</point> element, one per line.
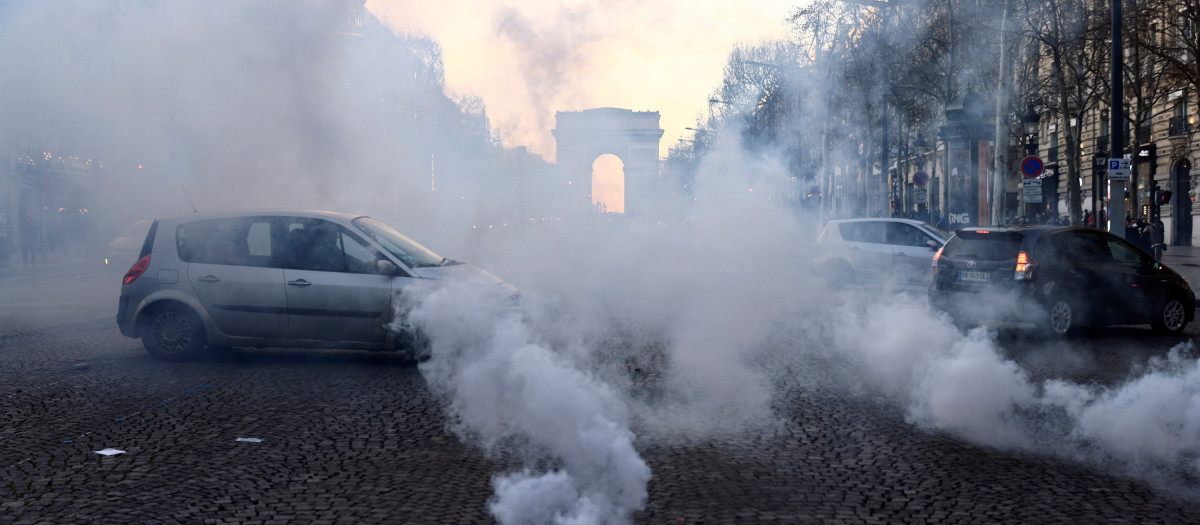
<point>974,276</point>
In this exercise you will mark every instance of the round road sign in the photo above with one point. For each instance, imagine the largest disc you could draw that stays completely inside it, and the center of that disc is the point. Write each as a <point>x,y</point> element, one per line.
<point>1032,167</point>
<point>920,178</point>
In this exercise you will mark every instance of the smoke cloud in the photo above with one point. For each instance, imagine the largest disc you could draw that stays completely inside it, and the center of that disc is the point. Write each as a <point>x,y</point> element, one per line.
<point>687,328</point>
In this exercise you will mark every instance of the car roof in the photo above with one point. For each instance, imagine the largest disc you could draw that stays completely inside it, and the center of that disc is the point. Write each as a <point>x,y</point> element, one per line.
<point>877,219</point>
<point>1030,233</point>
<point>316,214</point>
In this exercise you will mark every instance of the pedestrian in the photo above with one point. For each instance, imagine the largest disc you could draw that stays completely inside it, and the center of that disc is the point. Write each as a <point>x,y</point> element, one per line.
<point>29,241</point>
<point>1149,241</point>
<point>1089,220</point>
<point>1131,231</point>
<point>1160,240</point>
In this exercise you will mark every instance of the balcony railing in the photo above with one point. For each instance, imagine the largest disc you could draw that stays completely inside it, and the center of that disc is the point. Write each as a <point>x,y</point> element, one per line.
<point>1178,126</point>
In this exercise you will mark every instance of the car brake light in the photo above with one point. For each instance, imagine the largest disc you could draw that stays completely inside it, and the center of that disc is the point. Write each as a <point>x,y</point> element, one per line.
<point>137,269</point>
<point>1025,267</point>
<point>937,256</point>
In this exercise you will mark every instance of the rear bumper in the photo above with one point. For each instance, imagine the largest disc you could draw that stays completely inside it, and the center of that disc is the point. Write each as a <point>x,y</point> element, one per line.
<point>1015,302</point>
<point>123,317</point>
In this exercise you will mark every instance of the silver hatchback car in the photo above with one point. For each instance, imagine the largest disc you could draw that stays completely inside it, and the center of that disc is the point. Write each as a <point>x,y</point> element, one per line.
<point>878,250</point>
<point>275,279</point>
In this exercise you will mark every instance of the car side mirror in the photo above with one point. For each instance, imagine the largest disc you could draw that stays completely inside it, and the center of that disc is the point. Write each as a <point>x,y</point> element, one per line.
<point>386,267</point>
<point>933,244</point>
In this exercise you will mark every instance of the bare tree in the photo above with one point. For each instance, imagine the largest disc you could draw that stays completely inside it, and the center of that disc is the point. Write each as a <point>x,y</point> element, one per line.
<point>1071,36</point>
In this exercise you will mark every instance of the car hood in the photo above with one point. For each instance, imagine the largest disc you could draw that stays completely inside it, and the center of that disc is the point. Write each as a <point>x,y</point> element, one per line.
<point>456,272</point>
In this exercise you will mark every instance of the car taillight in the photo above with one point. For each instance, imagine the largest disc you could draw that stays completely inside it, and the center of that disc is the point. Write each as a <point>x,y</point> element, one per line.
<point>1025,267</point>
<point>137,269</point>
<point>937,256</point>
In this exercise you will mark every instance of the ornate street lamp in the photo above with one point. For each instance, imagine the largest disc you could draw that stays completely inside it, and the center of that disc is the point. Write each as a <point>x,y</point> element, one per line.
<point>1031,119</point>
<point>921,148</point>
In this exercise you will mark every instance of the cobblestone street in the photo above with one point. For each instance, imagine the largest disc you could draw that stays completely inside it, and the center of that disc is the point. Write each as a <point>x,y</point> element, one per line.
<point>354,437</point>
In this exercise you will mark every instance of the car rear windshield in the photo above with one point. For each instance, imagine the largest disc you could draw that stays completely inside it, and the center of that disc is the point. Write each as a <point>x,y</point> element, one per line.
<point>985,245</point>
<point>148,244</point>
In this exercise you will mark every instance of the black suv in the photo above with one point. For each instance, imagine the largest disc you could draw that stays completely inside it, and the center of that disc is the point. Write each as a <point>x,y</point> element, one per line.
<point>1059,278</point>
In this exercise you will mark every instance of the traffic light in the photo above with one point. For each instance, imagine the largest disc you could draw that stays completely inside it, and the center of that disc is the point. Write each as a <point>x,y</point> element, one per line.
<point>1164,197</point>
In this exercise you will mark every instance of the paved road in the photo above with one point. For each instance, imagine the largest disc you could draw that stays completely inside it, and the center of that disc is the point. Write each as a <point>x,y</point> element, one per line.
<point>350,437</point>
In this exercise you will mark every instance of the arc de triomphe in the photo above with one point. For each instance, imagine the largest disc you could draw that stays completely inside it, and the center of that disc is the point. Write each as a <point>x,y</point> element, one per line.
<point>632,136</point>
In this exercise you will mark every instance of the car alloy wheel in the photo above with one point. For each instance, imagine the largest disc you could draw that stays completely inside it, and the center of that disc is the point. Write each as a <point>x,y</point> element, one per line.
<point>1061,317</point>
<point>173,334</point>
<point>1173,317</point>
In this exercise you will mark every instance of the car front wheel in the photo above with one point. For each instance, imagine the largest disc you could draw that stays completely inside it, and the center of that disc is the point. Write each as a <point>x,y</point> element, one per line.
<point>1173,317</point>
<point>173,333</point>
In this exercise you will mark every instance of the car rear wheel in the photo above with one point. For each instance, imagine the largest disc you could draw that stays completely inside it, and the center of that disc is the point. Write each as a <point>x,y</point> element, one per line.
<point>173,333</point>
<point>1173,317</point>
<point>1062,318</point>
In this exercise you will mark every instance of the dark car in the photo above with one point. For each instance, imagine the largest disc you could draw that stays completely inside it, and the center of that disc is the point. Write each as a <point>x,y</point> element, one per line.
<point>1059,278</point>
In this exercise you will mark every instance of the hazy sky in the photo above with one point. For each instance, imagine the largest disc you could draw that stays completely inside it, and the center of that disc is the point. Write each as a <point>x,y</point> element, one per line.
<point>530,58</point>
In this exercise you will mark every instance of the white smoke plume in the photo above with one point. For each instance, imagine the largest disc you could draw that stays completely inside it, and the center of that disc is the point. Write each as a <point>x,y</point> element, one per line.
<point>510,388</point>
<point>721,311</point>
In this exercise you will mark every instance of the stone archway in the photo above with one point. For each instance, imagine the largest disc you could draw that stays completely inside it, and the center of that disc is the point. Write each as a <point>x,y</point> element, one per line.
<point>608,184</point>
<point>632,136</point>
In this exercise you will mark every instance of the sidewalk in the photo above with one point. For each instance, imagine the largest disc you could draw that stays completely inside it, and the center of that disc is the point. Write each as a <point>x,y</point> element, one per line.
<point>1185,260</point>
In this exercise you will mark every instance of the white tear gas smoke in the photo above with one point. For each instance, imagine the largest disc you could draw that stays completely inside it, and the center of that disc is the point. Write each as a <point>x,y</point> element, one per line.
<point>726,312</point>
<point>712,312</point>
<point>508,388</point>
<point>1148,426</point>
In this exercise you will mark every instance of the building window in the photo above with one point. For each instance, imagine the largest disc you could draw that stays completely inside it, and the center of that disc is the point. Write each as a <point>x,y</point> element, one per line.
<point>1179,122</point>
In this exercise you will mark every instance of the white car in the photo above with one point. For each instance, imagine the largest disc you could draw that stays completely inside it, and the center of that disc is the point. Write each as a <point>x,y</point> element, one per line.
<point>276,279</point>
<point>878,250</point>
<point>124,249</point>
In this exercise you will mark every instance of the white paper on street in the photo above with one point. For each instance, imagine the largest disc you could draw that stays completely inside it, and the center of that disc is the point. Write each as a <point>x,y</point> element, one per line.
<point>249,440</point>
<point>110,452</point>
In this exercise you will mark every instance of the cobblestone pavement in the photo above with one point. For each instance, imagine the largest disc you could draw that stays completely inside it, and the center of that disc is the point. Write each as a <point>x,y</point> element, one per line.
<point>352,437</point>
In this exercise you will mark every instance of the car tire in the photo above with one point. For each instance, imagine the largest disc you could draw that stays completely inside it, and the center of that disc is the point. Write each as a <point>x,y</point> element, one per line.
<point>1062,317</point>
<point>1172,318</point>
<point>173,333</point>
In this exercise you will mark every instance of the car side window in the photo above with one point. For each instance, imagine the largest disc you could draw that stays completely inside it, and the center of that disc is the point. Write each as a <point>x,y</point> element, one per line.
<point>1125,254</point>
<point>1084,247</point>
<point>902,234</point>
<point>239,241</point>
<point>360,257</point>
<point>320,245</point>
<point>862,232</point>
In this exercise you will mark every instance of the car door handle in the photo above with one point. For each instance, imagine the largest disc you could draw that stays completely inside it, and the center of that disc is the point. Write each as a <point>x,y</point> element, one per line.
<point>299,282</point>
<point>209,279</point>
<point>853,248</point>
<point>900,253</point>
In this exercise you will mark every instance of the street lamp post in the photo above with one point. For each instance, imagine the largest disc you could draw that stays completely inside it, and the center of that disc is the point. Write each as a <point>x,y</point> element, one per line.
<point>921,148</point>
<point>1099,168</point>
<point>1030,120</point>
